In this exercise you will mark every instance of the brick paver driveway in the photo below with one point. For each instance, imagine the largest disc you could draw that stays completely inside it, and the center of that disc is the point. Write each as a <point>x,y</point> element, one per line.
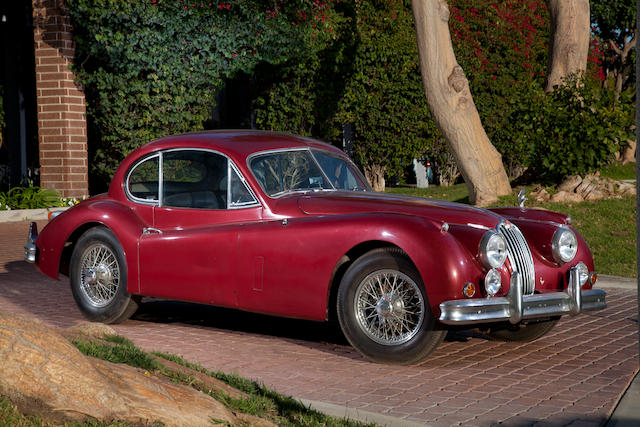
<point>572,376</point>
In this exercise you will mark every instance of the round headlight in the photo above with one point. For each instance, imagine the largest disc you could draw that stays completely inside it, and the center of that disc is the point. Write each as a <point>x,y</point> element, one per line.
<point>493,249</point>
<point>564,244</point>
<point>492,282</point>
<point>583,273</point>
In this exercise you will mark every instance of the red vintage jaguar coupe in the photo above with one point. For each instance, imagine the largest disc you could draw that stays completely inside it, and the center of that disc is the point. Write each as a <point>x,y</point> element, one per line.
<point>288,226</point>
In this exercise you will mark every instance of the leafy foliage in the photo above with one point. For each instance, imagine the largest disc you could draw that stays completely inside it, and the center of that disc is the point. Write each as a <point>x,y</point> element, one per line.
<point>32,198</point>
<point>502,47</point>
<point>614,25</point>
<point>576,129</point>
<point>384,96</point>
<point>613,19</point>
<point>152,68</point>
<point>368,75</point>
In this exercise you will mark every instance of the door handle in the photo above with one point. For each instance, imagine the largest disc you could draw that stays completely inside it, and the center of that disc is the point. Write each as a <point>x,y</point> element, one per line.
<point>150,230</point>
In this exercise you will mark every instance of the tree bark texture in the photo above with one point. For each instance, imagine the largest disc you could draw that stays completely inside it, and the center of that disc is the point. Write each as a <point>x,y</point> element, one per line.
<point>375,175</point>
<point>452,106</point>
<point>569,44</point>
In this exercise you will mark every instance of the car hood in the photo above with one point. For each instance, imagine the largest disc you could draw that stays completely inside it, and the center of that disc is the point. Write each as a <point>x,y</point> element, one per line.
<point>436,210</point>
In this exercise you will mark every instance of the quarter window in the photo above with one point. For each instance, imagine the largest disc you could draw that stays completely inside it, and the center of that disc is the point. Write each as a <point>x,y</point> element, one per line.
<point>143,180</point>
<point>239,192</point>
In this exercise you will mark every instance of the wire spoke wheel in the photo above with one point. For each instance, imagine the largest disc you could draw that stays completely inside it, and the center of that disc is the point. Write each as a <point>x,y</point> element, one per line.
<point>389,307</point>
<point>99,274</point>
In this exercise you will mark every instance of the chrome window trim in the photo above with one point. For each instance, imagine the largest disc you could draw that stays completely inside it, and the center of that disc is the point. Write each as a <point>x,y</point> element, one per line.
<point>126,181</point>
<point>324,175</point>
<point>232,167</point>
<point>158,202</point>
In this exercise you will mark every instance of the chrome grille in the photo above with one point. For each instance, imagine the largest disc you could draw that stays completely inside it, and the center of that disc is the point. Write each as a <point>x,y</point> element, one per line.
<point>519,255</point>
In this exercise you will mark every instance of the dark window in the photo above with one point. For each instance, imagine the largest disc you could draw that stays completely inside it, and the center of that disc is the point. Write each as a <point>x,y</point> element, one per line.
<point>143,180</point>
<point>194,179</point>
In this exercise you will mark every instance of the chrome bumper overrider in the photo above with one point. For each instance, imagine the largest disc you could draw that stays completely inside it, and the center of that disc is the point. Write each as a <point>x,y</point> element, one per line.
<point>30,248</point>
<point>516,306</point>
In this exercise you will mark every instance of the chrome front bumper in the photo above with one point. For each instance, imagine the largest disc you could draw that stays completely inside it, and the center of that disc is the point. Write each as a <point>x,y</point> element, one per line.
<point>516,306</point>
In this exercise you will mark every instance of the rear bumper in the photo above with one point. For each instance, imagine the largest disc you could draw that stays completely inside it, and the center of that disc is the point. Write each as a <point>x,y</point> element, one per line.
<point>30,249</point>
<point>516,306</point>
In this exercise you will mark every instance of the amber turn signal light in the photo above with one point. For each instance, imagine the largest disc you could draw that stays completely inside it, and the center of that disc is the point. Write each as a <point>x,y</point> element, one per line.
<point>468,290</point>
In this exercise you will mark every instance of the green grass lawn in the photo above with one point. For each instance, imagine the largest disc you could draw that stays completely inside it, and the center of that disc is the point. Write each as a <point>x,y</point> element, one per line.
<point>259,401</point>
<point>608,226</point>
<point>619,172</point>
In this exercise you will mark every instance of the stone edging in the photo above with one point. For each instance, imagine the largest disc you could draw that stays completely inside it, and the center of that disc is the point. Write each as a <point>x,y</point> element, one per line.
<point>27,214</point>
<point>606,281</point>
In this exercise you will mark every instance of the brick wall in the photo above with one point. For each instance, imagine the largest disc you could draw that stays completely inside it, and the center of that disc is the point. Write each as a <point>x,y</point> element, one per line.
<point>62,126</point>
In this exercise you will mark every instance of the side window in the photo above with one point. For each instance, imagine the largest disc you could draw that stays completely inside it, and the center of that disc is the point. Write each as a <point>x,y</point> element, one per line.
<point>239,194</point>
<point>143,182</point>
<point>194,179</point>
<point>338,172</point>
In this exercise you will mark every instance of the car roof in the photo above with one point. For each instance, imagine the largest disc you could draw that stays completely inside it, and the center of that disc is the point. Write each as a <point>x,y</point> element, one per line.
<point>237,143</point>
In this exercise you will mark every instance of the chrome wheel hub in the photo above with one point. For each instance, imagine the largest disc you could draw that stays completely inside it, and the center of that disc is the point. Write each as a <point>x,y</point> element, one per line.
<point>389,307</point>
<point>99,274</point>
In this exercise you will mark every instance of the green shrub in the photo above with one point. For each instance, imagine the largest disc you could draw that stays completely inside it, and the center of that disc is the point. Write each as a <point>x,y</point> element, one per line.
<point>368,75</point>
<point>576,129</point>
<point>502,47</point>
<point>152,68</point>
<point>32,198</point>
<point>384,97</point>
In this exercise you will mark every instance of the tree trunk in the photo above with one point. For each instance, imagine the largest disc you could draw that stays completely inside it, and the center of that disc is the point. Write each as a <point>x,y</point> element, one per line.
<point>452,106</point>
<point>569,44</point>
<point>622,70</point>
<point>375,175</point>
<point>629,152</point>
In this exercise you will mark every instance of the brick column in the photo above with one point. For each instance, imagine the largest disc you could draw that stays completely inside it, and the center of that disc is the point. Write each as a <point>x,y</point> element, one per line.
<point>62,126</point>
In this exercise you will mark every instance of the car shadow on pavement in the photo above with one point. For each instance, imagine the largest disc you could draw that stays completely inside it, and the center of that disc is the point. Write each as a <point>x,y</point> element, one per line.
<point>23,289</point>
<point>166,311</point>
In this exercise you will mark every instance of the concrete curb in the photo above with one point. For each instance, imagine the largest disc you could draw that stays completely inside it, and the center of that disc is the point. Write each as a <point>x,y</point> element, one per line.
<point>27,214</point>
<point>627,411</point>
<point>359,414</point>
<point>605,281</point>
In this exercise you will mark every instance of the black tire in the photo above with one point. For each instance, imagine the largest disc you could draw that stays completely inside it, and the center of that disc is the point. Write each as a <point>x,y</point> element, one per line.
<point>358,316</point>
<point>98,277</point>
<point>522,332</point>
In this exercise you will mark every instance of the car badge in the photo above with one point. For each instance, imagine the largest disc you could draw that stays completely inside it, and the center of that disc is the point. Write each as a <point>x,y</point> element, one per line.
<point>541,281</point>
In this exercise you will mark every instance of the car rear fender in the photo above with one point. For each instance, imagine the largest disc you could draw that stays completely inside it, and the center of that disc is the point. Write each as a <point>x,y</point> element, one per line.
<point>56,240</point>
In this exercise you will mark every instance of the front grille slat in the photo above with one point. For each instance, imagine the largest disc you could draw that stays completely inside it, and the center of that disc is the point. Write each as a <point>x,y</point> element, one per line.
<point>519,255</point>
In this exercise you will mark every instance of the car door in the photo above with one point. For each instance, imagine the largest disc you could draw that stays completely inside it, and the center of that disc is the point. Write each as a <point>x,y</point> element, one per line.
<point>191,251</point>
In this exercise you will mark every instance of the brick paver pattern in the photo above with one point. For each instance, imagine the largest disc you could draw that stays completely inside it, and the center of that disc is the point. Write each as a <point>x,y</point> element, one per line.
<point>572,376</point>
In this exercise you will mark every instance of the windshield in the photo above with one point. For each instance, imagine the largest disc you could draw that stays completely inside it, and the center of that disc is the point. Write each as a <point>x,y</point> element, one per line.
<point>298,170</point>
